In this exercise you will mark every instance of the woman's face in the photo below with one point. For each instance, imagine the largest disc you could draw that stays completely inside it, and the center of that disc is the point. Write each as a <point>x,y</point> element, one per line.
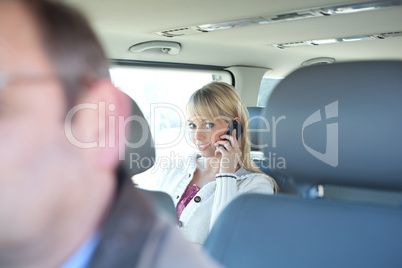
<point>204,133</point>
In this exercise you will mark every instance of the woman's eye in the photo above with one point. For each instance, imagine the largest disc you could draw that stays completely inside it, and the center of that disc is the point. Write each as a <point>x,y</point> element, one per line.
<point>191,126</point>
<point>209,125</point>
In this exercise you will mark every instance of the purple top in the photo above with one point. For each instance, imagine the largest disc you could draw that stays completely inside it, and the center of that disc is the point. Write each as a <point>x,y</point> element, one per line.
<point>188,194</point>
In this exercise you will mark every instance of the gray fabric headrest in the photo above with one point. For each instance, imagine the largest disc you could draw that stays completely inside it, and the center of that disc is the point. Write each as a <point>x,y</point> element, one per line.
<point>256,124</point>
<point>339,124</point>
<point>139,149</point>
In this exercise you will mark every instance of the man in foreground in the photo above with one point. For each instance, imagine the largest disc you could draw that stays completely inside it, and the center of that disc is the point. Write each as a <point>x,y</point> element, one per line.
<point>65,201</point>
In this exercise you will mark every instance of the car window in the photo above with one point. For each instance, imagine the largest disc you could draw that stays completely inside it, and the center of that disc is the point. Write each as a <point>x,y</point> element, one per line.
<point>162,94</point>
<point>266,88</point>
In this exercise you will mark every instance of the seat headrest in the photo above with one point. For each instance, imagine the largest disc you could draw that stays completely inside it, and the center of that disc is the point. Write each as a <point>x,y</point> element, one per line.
<point>139,148</point>
<point>256,125</point>
<point>339,124</point>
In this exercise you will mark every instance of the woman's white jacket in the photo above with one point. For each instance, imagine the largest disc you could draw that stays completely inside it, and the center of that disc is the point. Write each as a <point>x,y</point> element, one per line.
<point>199,215</point>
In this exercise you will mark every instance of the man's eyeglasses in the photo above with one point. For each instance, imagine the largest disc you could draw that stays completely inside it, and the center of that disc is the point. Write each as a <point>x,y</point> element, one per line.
<point>6,80</point>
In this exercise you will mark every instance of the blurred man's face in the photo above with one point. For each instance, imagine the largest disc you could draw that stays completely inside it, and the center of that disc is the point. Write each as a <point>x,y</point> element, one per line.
<point>40,171</point>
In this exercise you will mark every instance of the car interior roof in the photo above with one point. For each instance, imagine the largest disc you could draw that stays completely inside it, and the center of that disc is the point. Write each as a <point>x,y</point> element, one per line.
<point>121,24</point>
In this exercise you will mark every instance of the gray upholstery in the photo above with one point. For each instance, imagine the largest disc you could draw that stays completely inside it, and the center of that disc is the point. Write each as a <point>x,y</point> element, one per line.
<point>368,118</point>
<point>162,203</point>
<point>285,231</point>
<point>357,195</point>
<point>363,105</point>
<point>139,149</point>
<point>140,156</point>
<point>258,125</point>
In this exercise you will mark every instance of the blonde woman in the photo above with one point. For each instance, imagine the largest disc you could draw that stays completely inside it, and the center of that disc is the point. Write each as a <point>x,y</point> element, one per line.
<point>204,183</point>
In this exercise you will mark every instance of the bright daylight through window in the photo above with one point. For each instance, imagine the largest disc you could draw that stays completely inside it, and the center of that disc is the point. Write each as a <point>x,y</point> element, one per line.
<point>266,88</point>
<point>162,95</point>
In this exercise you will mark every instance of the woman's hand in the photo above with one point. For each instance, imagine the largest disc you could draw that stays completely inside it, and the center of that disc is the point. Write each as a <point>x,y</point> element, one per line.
<point>230,151</point>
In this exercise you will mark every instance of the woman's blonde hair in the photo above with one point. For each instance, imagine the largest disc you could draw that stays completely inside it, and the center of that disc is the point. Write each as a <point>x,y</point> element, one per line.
<point>220,100</point>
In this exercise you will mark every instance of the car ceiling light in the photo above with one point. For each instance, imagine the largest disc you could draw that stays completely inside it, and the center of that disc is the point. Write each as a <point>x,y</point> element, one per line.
<point>228,24</point>
<point>318,42</point>
<point>274,18</point>
<point>358,38</point>
<point>360,7</point>
<point>318,61</point>
<point>324,41</point>
<point>171,48</point>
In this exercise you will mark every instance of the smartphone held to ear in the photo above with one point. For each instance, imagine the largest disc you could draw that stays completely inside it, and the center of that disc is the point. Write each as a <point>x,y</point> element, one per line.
<point>234,125</point>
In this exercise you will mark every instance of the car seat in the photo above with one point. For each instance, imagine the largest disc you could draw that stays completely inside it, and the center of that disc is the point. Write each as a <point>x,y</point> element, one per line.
<point>342,128</point>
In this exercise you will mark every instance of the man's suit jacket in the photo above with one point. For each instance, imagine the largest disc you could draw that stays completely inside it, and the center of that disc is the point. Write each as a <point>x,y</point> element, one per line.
<point>134,236</point>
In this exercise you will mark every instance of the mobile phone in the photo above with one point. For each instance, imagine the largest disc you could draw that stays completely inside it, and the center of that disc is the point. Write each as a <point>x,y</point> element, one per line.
<point>234,125</point>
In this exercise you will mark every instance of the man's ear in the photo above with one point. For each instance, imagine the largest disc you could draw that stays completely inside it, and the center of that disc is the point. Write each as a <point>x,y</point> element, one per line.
<point>99,124</point>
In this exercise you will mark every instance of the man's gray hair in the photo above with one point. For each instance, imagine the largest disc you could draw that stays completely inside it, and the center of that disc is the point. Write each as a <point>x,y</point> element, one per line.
<point>71,45</point>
